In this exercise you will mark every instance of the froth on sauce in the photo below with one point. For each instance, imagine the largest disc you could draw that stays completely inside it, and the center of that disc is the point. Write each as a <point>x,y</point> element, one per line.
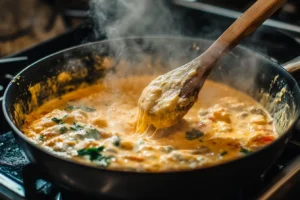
<point>97,125</point>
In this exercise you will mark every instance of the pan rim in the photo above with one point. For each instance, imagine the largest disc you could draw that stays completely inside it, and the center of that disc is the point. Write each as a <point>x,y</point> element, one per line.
<point>95,167</point>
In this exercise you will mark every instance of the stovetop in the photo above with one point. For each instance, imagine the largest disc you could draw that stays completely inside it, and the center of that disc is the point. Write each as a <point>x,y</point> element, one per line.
<point>281,44</point>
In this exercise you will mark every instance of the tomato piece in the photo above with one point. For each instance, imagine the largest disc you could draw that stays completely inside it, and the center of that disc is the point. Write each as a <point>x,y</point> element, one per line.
<point>265,139</point>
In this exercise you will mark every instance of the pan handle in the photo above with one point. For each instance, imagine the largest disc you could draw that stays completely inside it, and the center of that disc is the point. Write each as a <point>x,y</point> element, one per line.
<point>293,65</point>
<point>281,185</point>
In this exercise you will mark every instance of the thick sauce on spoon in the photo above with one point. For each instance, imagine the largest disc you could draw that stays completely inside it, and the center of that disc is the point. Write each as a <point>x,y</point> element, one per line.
<point>160,102</point>
<point>98,125</point>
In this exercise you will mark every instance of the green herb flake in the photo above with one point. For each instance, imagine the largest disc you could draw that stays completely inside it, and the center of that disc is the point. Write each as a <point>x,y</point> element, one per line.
<point>59,121</point>
<point>168,149</point>
<point>87,109</point>
<point>201,141</point>
<point>69,107</point>
<point>223,153</point>
<point>42,137</point>
<point>84,108</point>
<point>63,129</point>
<point>95,155</point>
<point>76,127</point>
<point>116,140</point>
<point>92,133</point>
<point>245,151</point>
<point>193,134</point>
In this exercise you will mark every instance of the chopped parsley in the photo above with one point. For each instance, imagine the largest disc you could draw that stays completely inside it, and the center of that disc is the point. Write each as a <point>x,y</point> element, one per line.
<point>116,140</point>
<point>63,129</point>
<point>193,134</point>
<point>223,153</point>
<point>59,121</point>
<point>84,108</point>
<point>95,155</point>
<point>201,141</point>
<point>87,109</point>
<point>69,107</point>
<point>42,137</point>
<point>56,120</point>
<point>76,127</point>
<point>168,149</point>
<point>92,133</point>
<point>243,150</point>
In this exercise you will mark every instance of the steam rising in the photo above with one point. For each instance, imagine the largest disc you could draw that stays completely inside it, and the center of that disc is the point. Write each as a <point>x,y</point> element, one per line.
<point>120,18</point>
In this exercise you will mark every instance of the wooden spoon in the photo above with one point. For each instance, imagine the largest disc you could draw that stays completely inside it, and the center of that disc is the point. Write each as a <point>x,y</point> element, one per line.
<point>170,96</point>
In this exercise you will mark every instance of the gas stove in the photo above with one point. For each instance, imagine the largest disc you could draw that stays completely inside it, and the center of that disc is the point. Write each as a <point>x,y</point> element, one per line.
<point>278,38</point>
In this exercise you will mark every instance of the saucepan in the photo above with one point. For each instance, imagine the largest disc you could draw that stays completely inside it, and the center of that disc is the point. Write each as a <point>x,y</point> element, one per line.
<point>257,75</point>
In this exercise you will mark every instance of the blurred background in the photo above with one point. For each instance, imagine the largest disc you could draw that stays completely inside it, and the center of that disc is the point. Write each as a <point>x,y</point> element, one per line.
<point>24,23</point>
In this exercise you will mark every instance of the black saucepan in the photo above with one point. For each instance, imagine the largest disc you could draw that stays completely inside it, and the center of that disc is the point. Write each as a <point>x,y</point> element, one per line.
<point>245,70</point>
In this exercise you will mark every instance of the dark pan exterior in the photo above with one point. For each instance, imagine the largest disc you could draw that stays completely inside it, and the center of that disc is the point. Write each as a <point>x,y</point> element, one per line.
<point>219,182</point>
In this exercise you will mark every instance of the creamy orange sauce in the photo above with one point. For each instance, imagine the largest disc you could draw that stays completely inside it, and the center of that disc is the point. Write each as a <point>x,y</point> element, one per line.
<point>97,125</point>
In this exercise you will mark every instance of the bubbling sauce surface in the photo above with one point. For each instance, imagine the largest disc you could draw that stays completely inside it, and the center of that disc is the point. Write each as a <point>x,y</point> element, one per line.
<point>98,125</point>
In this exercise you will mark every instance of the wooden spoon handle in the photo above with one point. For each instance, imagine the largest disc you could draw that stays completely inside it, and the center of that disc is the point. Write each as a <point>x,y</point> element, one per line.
<point>247,23</point>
